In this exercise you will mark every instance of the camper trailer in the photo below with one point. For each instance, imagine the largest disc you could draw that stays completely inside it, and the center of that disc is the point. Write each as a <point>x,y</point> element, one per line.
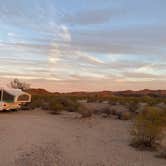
<point>13,99</point>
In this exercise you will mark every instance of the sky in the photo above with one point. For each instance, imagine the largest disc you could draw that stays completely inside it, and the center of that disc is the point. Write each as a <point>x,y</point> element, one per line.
<point>84,45</point>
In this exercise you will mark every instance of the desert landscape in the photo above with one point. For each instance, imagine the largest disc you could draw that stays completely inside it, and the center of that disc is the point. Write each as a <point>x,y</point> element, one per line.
<point>80,129</point>
<point>82,83</point>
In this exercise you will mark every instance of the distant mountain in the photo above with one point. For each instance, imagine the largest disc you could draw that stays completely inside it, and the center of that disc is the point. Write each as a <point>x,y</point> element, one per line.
<point>155,93</point>
<point>81,94</point>
<point>144,92</point>
<point>38,91</point>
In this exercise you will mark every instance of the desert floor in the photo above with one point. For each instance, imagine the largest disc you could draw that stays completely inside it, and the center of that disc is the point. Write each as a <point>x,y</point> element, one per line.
<point>36,138</point>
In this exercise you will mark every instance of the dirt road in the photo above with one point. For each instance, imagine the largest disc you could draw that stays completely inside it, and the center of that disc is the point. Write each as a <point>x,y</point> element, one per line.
<point>36,138</point>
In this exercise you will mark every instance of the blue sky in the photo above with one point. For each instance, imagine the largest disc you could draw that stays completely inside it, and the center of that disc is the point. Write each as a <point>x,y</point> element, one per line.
<point>84,45</point>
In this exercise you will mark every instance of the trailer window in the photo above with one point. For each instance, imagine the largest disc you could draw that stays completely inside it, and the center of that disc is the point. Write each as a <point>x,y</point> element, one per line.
<point>7,97</point>
<point>23,98</point>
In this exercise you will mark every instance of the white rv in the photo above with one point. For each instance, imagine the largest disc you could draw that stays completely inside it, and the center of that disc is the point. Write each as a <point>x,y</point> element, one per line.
<point>12,99</point>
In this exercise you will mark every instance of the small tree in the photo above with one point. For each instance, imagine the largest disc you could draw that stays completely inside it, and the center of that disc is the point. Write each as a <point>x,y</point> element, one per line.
<point>17,84</point>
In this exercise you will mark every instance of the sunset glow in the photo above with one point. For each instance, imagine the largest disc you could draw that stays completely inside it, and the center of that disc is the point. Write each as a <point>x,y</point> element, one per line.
<point>85,45</point>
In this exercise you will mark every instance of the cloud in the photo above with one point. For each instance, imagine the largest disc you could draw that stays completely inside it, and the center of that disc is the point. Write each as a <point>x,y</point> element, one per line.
<point>64,33</point>
<point>11,34</point>
<point>94,46</point>
<point>143,75</point>
<point>87,58</point>
<point>132,40</point>
<point>90,17</point>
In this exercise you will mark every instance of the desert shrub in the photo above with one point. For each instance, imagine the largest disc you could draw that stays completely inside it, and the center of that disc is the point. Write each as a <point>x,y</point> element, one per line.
<point>148,128</point>
<point>133,101</point>
<point>113,112</point>
<point>45,105</point>
<point>163,117</point>
<point>69,104</point>
<point>152,101</point>
<point>162,153</point>
<point>126,115</point>
<point>55,107</point>
<point>34,104</point>
<point>97,111</point>
<point>133,106</point>
<point>107,110</point>
<point>84,111</point>
<point>53,103</point>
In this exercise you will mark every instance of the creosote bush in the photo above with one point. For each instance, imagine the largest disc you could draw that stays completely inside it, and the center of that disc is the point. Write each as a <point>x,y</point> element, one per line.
<point>107,111</point>
<point>53,103</point>
<point>126,115</point>
<point>85,112</point>
<point>162,153</point>
<point>55,107</point>
<point>148,128</point>
<point>133,106</point>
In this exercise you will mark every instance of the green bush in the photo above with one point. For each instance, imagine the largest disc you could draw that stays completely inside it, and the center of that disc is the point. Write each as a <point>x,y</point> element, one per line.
<point>148,128</point>
<point>53,103</point>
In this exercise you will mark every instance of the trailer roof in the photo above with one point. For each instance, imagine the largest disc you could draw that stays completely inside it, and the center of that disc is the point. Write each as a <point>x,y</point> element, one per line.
<point>14,92</point>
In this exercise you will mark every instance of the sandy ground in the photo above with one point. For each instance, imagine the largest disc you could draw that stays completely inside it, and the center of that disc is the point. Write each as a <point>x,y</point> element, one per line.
<point>36,138</point>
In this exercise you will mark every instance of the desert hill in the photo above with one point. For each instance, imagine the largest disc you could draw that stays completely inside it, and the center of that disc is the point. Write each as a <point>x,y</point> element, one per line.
<point>155,93</point>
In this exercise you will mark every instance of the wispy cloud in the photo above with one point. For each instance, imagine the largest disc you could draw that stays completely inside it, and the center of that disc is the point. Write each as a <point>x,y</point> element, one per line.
<point>91,17</point>
<point>84,45</point>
